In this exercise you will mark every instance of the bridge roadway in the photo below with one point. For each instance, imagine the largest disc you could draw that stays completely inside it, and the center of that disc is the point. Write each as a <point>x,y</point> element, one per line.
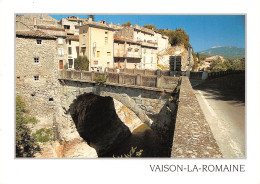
<point>224,109</point>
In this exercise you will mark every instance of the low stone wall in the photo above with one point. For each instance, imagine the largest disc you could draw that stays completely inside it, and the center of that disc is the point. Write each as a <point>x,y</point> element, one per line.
<point>154,81</point>
<point>192,135</point>
<point>212,75</point>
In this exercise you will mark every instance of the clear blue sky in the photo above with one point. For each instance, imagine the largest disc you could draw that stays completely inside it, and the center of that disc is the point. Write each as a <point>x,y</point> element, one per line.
<point>205,31</point>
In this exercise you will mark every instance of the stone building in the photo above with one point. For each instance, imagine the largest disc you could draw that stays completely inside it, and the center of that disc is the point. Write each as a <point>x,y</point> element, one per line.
<point>62,49</point>
<point>147,40</point>
<point>127,53</point>
<point>38,19</point>
<point>36,74</point>
<point>96,42</point>
<point>72,42</point>
<point>71,24</point>
<point>162,42</point>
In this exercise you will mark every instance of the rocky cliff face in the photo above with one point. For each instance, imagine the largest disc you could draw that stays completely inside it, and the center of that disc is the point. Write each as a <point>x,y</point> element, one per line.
<point>163,58</point>
<point>127,116</point>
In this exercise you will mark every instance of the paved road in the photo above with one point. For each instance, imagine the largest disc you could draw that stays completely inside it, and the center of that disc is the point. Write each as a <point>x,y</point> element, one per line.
<point>224,109</point>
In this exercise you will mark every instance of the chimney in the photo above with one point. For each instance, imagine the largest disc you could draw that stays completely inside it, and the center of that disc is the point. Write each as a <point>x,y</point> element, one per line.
<point>34,22</point>
<point>89,19</point>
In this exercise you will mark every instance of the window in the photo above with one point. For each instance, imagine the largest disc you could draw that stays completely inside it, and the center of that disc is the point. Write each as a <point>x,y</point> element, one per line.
<point>61,52</point>
<point>61,64</point>
<point>83,50</point>
<point>36,60</point>
<point>70,63</point>
<point>83,31</point>
<point>144,59</point>
<point>106,40</point>
<point>60,41</point>
<point>98,53</point>
<point>151,59</point>
<point>106,32</point>
<point>144,50</point>
<point>66,27</point>
<point>83,40</point>
<point>36,77</point>
<point>108,53</point>
<point>69,42</point>
<point>151,51</point>
<point>39,42</point>
<point>70,50</point>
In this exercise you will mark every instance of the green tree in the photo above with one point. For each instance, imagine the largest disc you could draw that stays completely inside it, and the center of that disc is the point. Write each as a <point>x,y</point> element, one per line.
<point>178,37</point>
<point>235,64</point>
<point>81,63</point>
<point>148,26</point>
<point>198,56</point>
<point>127,24</point>
<point>26,145</point>
<point>196,63</point>
<point>217,65</point>
<point>161,31</point>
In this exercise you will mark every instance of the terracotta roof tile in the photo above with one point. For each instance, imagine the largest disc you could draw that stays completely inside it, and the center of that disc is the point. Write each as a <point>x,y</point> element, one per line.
<point>51,28</point>
<point>124,40</point>
<point>73,37</point>
<point>37,34</point>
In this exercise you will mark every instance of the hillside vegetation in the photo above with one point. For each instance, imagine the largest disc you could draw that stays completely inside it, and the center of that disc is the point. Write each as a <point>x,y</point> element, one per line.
<point>226,51</point>
<point>176,37</point>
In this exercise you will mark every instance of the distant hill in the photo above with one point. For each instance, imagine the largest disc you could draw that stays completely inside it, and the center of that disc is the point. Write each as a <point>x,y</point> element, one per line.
<point>226,51</point>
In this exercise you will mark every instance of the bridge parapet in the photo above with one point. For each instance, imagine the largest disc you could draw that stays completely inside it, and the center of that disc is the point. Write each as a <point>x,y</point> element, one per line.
<point>145,71</point>
<point>154,81</point>
<point>192,135</point>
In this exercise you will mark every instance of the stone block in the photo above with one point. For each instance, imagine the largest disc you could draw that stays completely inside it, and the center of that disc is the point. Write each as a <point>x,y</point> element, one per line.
<point>139,80</point>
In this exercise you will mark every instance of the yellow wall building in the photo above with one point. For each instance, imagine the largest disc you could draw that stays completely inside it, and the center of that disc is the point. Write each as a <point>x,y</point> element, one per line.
<point>96,42</point>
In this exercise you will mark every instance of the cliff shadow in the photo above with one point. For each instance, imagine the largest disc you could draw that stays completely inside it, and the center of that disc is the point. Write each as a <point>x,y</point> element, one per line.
<point>99,125</point>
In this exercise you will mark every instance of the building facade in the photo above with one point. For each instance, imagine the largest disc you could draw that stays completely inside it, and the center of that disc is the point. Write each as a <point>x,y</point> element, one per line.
<point>71,24</point>
<point>96,42</point>
<point>72,42</point>
<point>147,41</point>
<point>37,73</point>
<point>127,53</point>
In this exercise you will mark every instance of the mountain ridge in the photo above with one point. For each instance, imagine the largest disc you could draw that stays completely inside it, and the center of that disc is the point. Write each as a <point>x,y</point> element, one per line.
<point>225,51</point>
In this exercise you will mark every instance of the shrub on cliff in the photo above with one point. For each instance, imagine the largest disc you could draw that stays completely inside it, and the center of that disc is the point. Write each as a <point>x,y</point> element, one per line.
<point>81,63</point>
<point>43,135</point>
<point>26,145</point>
<point>127,24</point>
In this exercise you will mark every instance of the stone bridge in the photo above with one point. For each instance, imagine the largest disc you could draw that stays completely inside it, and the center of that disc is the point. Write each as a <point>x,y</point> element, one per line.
<point>144,95</point>
<point>166,104</point>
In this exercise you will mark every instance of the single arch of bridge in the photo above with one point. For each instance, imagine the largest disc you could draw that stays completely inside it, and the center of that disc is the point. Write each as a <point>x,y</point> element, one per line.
<point>144,103</point>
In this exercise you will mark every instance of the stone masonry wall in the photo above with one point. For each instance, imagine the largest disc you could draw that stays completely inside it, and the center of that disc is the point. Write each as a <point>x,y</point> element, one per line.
<point>192,135</point>
<point>39,95</point>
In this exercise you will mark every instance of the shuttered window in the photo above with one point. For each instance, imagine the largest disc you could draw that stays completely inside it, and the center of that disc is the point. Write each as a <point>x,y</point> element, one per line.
<point>84,40</point>
<point>61,53</point>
